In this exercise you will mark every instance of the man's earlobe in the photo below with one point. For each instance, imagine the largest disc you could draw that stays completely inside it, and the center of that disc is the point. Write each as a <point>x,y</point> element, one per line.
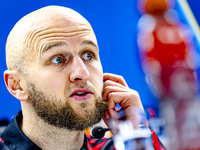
<point>14,85</point>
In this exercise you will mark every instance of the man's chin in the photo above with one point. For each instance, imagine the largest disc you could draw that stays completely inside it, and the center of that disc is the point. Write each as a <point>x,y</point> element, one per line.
<point>69,116</point>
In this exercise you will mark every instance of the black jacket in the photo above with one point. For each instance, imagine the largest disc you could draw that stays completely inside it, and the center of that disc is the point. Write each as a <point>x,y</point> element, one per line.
<point>14,139</point>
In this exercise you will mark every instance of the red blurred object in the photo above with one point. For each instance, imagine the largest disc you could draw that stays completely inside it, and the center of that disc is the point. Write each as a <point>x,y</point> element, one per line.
<point>168,60</point>
<point>165,48</point>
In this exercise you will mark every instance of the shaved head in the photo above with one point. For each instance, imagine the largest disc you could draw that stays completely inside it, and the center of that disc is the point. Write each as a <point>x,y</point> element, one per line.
<point>25,43</point>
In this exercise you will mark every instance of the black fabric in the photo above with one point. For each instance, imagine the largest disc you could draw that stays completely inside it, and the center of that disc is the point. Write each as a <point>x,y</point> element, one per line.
<point>14,139</point>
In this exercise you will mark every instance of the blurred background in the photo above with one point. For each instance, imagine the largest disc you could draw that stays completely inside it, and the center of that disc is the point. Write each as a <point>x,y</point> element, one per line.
<point>117,25</point>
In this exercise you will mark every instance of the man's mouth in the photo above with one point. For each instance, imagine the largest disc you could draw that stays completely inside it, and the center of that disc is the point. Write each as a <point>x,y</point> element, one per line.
<point>81,94</point>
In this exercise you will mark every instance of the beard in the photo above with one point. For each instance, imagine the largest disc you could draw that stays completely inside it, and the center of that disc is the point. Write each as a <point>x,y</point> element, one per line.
<point>50,109</point>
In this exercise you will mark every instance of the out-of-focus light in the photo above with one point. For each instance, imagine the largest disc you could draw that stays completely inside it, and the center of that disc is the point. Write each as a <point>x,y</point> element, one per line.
<point>145,42</point>
<point>120,145</point>
<point>156,7</point>
<point>169,35</point>
<point>171,16</point>
<point>147,23</point>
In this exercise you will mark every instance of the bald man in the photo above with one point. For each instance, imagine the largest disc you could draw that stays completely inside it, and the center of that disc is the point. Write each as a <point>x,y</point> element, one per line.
<point>55,71</point>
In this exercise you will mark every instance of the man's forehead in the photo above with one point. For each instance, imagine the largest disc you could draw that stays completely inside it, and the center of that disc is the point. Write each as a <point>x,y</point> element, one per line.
<point>67,26</point>
<point>56,21</point>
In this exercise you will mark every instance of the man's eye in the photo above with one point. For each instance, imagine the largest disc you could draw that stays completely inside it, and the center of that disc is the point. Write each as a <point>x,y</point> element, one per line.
<point>57,60</point>
<point>87,56</point>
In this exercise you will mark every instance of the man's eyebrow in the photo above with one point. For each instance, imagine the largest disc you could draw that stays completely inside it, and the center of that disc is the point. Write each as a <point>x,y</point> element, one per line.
<point>89,42</point>
<point>52,44</point>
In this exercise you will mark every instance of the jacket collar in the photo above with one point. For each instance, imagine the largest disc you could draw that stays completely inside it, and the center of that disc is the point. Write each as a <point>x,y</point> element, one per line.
<point>14,138</point>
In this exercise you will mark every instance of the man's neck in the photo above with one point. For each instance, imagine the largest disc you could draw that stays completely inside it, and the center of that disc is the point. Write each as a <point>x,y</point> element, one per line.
<point>50,137</point>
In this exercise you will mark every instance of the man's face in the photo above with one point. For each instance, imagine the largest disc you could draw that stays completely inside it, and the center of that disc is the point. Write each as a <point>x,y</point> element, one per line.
<point>66,75</point>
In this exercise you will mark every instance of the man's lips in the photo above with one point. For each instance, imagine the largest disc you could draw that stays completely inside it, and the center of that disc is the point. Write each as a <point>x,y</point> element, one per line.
<point>81,94</point>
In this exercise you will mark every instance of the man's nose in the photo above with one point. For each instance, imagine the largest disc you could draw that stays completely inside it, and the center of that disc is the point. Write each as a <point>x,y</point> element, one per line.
<point>79,71</point>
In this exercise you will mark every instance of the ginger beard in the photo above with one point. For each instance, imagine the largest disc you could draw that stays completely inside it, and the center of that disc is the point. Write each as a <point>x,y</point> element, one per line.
<point>62,115</point>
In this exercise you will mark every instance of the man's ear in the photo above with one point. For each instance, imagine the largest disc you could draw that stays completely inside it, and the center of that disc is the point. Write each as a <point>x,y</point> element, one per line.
<point>15,84</point>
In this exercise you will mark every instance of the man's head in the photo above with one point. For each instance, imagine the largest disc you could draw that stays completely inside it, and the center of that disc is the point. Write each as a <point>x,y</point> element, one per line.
<point>29,32</point>
<point>53,63</point>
